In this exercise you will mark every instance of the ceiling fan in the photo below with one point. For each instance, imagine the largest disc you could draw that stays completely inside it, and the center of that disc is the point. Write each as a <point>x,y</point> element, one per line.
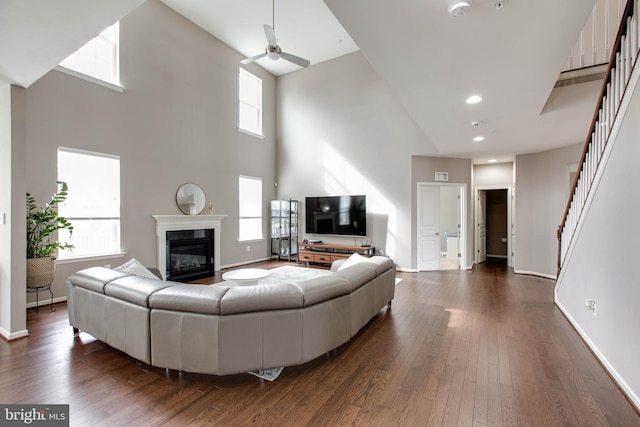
<point>273,51</point>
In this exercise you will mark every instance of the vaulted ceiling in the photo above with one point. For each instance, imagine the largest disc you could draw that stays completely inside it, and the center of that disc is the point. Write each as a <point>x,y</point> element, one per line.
<point>432,62</point>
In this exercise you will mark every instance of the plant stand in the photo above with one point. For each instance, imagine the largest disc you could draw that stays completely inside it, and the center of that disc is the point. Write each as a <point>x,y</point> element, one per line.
<point>36,290</point>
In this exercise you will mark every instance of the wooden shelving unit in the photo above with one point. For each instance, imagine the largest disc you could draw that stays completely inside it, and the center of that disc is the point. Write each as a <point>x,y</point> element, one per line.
<point>325,253</point>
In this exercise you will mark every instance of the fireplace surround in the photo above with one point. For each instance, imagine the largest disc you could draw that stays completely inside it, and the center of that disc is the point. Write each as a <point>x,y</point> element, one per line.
<point>192,234</point>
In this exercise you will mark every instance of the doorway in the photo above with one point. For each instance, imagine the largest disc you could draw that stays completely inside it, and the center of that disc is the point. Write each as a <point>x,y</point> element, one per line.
<point>493,226</point>
<point>440,226</point>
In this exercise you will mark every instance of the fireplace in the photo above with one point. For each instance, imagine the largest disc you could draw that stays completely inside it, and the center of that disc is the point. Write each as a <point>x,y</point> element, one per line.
<point>190,254</point>
<point>166,224</point>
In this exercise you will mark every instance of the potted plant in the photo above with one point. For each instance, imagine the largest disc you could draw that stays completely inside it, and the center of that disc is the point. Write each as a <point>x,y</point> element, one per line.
<point>42,223</point>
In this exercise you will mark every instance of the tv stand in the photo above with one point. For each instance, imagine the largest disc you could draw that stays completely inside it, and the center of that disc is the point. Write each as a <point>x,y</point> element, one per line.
<point>326,253</point>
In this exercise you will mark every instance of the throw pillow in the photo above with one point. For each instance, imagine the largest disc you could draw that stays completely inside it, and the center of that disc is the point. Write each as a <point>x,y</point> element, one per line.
<point>134,267</point>
<point>354,259</point>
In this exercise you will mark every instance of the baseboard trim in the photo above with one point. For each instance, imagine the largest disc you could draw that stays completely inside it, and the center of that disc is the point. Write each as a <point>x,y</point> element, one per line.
<point>620,382</point>
<point>535,273</point>
<point>43,302</point>
<point>406,270</point>
<point>8,336</point>
<point>238,264</point>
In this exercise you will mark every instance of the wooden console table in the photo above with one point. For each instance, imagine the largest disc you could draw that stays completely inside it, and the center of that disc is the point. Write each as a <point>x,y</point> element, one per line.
<point>325,253</point>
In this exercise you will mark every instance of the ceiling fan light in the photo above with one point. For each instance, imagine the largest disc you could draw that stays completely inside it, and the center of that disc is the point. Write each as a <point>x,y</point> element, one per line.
<point>273,52</point>
<point>459,8</point>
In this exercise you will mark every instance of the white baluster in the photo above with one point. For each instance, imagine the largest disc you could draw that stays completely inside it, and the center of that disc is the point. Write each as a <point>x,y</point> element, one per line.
<point>627,58</point>
<point>634,39</point>
<point>624,49</point>
<point>616,84</point>
<point>607,112</point>
<point>587,184</point>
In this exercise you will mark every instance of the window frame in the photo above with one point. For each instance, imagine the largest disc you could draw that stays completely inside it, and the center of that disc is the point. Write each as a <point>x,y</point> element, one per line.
<point>242,127</point>
<point>241,217</point>
<point>87,51</point>
<point>69,256</point>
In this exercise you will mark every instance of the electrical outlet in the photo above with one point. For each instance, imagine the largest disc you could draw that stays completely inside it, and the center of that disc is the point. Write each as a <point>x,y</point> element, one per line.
<point>2,217</point>
<point>590,305</point>
<point>248,248</point>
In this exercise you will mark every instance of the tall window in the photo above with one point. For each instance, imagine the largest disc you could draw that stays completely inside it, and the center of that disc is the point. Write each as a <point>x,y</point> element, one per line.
<point>93,203</point>
<point>250,103</point>
<point>250,196</point>
<point>99,58</point>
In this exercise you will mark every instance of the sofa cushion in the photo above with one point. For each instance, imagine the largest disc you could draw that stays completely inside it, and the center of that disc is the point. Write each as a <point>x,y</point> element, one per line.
<point>189,298</point>
<point>135,289</point>
<point>134,267</point>
<point>245,299</point>
<point>379,263</point>
<point>319,289</point>
<point>357,275</point>
<point>95,278</point>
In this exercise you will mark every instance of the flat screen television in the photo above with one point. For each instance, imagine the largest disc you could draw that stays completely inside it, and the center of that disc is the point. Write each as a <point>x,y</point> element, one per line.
<point>340,215</point>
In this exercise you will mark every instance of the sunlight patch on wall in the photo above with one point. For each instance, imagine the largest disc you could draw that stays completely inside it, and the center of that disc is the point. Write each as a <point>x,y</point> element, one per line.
<point>343,178</point>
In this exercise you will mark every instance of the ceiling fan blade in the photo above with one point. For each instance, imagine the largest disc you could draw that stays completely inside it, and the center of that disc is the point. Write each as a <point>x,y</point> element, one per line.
<point>295,59</point>
<point>252,59</point>
<point>271,35</point>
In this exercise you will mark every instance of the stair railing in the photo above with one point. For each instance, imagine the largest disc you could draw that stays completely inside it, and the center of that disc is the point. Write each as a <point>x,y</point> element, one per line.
<point>623,58</point>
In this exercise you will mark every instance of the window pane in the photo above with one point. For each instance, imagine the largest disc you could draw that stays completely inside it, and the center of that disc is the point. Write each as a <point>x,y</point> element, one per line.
<point>91,237</point>
<point>250,197</point>
<point>250,208</point>
<point>250,229</point>
<point>250,117</point>
<point>91,194</point>
<point>93,203</point>
<point>250,102</point>
<point>99,57</point>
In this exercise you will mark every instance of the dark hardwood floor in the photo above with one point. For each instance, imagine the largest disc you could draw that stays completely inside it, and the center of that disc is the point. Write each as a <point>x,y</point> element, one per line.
<point>478,348</point>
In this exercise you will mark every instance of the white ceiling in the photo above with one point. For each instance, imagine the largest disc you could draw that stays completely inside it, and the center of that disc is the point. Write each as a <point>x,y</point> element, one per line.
<point>303,28</point>
<point>431,61</point>
<point>36,35</point>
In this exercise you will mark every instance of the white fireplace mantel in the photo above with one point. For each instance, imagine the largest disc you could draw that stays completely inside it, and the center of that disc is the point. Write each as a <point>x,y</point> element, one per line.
<point>166,223</point>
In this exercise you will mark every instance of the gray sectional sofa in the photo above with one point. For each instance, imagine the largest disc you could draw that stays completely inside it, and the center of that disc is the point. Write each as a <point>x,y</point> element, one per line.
<point>221,329</point>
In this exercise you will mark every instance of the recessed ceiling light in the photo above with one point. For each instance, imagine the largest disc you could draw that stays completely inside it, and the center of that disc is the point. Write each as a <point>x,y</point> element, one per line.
<point>478,138</point>
<point>492,161</point>
<point>474,99</point>
<point>459,8</point>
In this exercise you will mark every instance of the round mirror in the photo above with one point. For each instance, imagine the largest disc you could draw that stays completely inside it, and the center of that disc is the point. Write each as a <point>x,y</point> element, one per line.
<point>190,199</point>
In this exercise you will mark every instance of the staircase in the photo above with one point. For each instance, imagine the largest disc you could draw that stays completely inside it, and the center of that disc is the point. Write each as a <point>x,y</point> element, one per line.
<point>621,64</point>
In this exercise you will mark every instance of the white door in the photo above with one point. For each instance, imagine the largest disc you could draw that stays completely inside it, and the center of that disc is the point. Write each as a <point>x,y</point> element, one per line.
<point>428,228</point>
<point>481,212</point>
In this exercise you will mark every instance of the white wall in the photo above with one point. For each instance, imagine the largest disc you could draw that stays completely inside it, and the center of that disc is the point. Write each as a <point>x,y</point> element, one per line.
<point>175,122</point>
<point>12,205</point>
<point>340,131</point>
<point>493,175</point>
<point>542,191</point>
<point>602,264</point>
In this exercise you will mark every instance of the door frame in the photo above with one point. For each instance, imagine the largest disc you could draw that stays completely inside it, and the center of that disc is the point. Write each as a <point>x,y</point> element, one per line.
<point>510,225</point>
<point>462,238</point>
